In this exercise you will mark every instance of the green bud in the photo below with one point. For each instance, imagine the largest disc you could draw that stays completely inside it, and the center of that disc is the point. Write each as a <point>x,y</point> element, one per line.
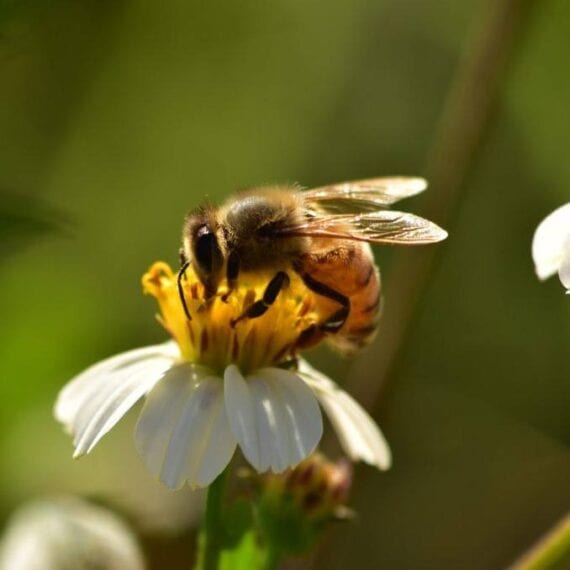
<point>295,506</point>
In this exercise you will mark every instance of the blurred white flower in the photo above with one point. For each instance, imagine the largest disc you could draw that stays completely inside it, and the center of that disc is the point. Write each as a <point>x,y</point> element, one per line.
<point>68,534</point>
<point>114,474</point>
<point>551,246</point>
<point>216,387</point>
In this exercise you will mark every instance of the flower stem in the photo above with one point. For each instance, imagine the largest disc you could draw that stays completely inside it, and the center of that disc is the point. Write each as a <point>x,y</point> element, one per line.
<point>552,549</point>
<point>273,557</point>
<point>464,126</point>
<point>213,530</point>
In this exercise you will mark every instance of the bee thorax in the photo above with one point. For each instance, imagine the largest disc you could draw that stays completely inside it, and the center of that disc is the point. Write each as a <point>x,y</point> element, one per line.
<point>252,223</point>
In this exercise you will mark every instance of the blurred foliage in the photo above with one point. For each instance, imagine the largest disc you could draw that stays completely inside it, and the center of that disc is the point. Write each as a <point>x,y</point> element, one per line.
<point>118,117</point>
<point>24,219</point>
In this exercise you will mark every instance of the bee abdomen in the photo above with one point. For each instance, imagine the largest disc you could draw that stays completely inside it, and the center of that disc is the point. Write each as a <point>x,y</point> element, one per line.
<point>350,270</point>
<point>362,323</point>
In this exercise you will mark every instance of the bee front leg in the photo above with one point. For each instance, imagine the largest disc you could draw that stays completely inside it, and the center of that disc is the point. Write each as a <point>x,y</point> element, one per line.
<point>232,273</point>
<point>258,308</point>
<point>338,318</point>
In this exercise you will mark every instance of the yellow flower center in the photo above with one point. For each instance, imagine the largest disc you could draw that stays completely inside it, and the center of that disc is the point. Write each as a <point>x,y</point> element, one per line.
<point>212,337</point>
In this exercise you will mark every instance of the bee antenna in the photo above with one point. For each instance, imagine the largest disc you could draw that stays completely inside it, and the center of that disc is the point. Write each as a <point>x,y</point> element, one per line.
<point>205,207</point>
<point>181,274</point>
<point>200,211</point>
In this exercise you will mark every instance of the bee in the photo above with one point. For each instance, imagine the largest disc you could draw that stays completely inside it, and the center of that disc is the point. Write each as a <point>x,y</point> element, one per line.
<point>323,235</point>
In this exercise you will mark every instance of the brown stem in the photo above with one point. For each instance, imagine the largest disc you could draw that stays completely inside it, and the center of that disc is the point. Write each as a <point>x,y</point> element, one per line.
<point>465,121</point>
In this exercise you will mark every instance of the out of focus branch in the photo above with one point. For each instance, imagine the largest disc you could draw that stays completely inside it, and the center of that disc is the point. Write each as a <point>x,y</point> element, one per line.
<point>24,219</point>
<point>552,549</point>
<point>465,122</point>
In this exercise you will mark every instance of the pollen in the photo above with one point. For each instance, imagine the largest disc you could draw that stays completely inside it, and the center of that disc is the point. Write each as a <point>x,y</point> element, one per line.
<point>218,335</point>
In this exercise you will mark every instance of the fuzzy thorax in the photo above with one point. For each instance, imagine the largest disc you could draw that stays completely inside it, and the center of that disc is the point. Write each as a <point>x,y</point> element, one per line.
<point>212,338</point>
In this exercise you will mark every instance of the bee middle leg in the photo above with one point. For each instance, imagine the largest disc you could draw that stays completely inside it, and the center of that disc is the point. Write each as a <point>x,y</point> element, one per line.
<point>259,307</point>
<point>335,322</point>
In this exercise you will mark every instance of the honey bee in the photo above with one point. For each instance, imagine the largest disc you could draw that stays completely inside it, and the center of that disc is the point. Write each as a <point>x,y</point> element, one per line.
<point>322,234</point>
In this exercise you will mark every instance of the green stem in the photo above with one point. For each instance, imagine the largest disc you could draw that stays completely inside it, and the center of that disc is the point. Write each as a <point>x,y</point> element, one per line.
<point>552,549</point>
<point>274,555</point>
<point>213,530</point>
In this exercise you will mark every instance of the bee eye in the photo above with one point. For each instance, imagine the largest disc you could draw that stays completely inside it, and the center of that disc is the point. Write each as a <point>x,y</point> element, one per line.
<point>207,252</point>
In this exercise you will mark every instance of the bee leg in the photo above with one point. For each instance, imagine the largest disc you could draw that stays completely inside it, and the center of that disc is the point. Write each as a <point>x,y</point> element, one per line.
<point>258,308</point>
<point>309,337</point>
<point>338,318</point>
<point>182,274</point>
<point>232,272</point>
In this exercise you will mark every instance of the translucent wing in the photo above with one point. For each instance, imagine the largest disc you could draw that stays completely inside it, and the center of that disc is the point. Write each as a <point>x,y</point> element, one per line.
<point>363,195</point>
<point>384,226</point>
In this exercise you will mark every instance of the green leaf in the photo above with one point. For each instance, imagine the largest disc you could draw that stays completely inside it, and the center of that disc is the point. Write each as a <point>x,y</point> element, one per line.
<point>247,555</point>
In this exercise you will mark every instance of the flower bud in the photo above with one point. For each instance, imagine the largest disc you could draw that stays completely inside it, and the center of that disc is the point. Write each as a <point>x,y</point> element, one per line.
<point>296,505</point>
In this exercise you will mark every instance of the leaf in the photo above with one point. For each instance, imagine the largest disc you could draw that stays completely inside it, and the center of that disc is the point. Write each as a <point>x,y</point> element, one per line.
<point>247,555</point>
<point>23,219</point>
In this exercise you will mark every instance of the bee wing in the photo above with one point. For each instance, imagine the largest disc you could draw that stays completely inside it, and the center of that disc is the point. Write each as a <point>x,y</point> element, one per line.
<point>364,195</point>
<point>384,226</point>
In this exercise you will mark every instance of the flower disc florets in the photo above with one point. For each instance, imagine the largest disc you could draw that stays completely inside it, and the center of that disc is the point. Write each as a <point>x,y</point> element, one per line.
<point>213,338</point>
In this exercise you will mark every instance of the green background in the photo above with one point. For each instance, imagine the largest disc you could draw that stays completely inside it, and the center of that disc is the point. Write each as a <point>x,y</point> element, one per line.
<point>117,117</point>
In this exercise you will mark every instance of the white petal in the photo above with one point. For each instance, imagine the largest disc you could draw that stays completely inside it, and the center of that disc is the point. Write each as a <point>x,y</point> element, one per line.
<point>241,413</point>
<point>274,416</point>
<point>548,241</point>
<point>183,432</point>
<point>358,434</point>
<point>564,272</point>
<point>93,402</point>
<point>67,401</point>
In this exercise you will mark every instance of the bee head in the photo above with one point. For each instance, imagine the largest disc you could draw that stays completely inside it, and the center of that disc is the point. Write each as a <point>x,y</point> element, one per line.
<point>202,246</point>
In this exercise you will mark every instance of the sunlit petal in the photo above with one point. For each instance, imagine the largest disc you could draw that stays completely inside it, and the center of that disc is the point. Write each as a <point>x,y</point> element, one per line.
<point>241,413</point>
<point>358,434</point>
<point>274,416</point>
<point>548,242</point>
<point>183,433</point>
<point>92,403</point>
<point>564,271</point>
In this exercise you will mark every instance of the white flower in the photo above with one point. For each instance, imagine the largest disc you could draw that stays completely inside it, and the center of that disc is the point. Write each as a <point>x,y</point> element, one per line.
<point>67,534</point>
<point>192,419</point>
<point>221,384</point>
<point>551,246</point>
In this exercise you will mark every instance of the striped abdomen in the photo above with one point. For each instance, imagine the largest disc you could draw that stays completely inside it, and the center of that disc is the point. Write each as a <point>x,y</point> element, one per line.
<point>348,268</point>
